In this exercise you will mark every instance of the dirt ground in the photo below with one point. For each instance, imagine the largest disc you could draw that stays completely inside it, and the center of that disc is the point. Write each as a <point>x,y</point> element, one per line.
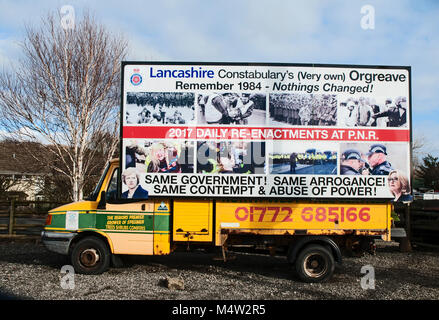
<point>29,271</point>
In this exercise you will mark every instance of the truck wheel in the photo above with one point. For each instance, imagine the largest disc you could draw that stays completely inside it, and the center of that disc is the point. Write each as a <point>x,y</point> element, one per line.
<point>315,263</point>
<point>91,256</point>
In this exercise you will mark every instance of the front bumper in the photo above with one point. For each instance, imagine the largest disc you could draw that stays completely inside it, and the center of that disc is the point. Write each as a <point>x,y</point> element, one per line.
<point>57,242</point>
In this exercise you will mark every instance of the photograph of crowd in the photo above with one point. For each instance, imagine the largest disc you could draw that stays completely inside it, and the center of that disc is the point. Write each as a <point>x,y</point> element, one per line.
<point>231,157</point>
<point>290,157</point>
<point>378,159</point>
<point>160,156</point>
<point>231,108</point>
<point>367,112</point>
<point>160,108</point>
<point>303,109</point>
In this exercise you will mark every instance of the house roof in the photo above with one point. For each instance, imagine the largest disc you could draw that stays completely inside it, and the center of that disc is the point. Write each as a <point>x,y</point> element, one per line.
<point>16,158</point>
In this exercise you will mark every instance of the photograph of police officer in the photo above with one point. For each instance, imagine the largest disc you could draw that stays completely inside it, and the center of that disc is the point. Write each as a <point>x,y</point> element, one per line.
<point>373,159</point>
<point>352,163</point>
<point>377,160</point>
<point>303,109</point>
<point>160,108</point>
<point>371,112</point>
<point>231,108</point>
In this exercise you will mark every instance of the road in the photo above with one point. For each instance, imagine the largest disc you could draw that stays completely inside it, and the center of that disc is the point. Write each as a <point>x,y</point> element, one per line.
<point>28,270</point>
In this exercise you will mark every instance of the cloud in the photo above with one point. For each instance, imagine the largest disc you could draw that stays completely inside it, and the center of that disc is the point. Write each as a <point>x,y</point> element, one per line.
<point>10,51</point>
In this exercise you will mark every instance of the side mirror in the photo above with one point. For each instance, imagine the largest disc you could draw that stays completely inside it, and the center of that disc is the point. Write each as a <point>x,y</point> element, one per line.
<point>103,202</point>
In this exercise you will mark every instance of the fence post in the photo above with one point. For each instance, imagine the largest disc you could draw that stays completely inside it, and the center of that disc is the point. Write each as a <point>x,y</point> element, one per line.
<point>11,217</point>
<point>406,245</point>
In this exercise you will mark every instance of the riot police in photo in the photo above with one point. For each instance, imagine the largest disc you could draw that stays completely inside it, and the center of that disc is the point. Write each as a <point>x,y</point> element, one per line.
<point>302,158</point>
<point>301,109</point>
<point>160,108</point>
<point>231,108</point>
<point>367,112</point>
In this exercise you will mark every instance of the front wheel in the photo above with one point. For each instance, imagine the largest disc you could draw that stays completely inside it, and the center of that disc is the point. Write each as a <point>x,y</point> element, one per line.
<point>91,256</point>
<point>315,263</point>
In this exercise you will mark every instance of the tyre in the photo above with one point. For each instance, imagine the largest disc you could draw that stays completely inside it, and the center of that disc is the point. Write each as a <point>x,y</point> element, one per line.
<point>315,263</point>
<point>90,256</point>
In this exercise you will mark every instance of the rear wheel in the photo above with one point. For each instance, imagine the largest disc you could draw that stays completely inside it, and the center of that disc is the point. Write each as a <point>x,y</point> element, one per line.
<point>315,263</point>
<point>91,256</point>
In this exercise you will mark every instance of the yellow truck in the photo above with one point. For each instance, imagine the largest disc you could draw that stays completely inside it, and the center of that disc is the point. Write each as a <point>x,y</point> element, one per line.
<point>311,234</point>
<point>215,185</point>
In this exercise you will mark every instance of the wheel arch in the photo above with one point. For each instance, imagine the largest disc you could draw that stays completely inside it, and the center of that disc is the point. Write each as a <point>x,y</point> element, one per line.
<point>91,233</point>
<point>297,246</point>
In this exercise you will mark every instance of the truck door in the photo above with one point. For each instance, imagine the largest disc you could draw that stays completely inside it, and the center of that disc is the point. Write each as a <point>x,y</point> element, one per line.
<point>193,220</point>
<point>129,225</point>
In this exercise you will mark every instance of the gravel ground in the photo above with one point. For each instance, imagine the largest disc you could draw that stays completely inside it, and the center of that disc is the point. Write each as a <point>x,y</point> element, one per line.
<point>29,271</point>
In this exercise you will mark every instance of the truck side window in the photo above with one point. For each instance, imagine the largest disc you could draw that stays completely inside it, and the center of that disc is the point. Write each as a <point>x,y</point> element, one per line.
<point>112,186</point>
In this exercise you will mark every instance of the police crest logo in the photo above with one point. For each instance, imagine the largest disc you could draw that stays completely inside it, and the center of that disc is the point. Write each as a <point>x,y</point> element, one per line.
<point>136,79</point>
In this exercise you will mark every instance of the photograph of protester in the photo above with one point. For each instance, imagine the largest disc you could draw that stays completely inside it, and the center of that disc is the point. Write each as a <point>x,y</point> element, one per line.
<point>231,108</point>
<point>288,157</point>
<point>368,112</point>
<point>230,157</point>
<point>376,159</point>
<point>161,156</point>
<point>160,108</point>
<point>303,109</point>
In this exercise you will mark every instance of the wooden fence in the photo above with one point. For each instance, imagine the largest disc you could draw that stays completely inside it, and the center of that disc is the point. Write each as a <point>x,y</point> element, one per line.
<point>24,217</point>
<point>423,221</point>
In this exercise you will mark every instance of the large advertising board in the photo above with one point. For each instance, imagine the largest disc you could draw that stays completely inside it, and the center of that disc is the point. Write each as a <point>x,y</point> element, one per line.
<point>265,130</point>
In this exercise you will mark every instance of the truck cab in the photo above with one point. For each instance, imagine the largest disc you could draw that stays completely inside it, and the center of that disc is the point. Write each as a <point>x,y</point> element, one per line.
<point>134,227</point>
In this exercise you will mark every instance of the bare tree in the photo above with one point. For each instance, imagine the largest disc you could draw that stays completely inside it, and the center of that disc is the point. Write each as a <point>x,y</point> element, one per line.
<point>65,92</point>
<point>418,150</point>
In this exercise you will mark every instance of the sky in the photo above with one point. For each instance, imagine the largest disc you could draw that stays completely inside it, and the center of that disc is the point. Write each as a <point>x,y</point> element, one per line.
<point>404,33</point>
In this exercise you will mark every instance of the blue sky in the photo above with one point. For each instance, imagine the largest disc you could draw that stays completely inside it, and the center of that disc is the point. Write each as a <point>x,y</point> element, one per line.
<point>406,33</point>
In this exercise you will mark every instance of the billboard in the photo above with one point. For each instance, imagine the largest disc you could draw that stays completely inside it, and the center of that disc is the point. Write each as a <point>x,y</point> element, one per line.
<point>265,130</point>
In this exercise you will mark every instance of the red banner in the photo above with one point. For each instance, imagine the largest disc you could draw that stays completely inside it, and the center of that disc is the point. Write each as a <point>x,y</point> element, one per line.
<point>261,133</point>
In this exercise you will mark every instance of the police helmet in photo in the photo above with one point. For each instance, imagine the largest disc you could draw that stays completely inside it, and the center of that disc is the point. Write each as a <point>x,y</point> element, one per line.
<point>377,148</point>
